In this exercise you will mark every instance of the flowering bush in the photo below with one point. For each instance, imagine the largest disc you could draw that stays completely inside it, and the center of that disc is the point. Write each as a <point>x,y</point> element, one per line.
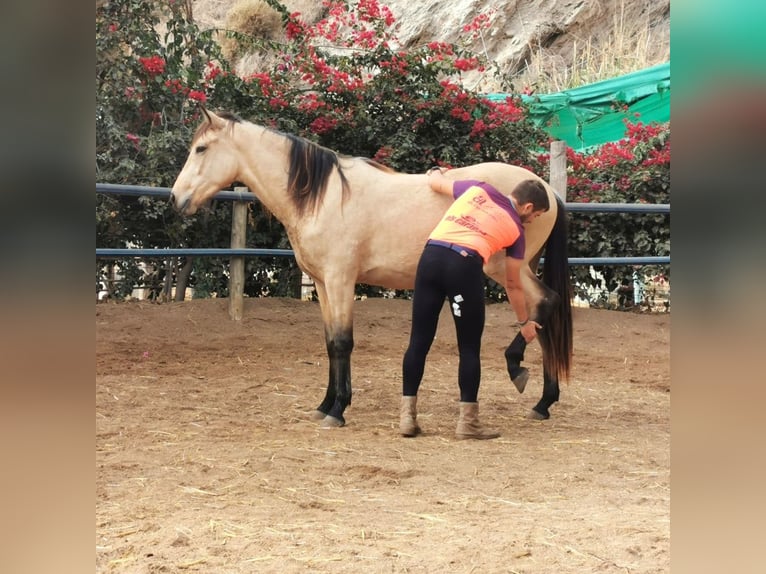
<point>342,81</point>
<point>147,88</point>
<point>635,169</point>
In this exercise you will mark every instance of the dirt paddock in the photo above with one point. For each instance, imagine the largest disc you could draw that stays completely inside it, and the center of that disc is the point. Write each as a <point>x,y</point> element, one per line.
<point>207,461</point>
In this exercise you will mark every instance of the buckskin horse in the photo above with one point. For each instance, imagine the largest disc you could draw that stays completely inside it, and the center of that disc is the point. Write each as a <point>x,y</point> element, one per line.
<point>351,220</point>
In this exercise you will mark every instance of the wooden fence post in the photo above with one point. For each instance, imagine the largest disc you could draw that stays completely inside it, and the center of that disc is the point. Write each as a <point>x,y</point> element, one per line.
<point>237,263</point>
<point>558,166</point>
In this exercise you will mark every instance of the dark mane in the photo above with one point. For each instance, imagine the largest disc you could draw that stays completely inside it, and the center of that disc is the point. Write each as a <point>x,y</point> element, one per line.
<point>310,168</point>
<point>377,165</point>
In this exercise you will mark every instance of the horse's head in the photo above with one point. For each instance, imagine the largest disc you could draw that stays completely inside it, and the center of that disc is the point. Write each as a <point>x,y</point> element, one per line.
<point>211,166</point>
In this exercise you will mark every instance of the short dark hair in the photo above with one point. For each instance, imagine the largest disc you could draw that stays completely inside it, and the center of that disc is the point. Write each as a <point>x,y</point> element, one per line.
<point>534,192</point>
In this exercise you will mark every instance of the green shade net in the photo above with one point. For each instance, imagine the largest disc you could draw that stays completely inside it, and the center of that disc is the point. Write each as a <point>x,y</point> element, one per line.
<point>594,114</point>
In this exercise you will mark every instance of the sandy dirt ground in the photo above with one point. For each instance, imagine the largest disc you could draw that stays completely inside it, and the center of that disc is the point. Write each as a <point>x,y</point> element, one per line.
<point>207,460</point>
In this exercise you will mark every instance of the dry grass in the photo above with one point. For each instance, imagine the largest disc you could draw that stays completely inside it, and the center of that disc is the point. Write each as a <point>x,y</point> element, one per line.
<point>588,50</point>
<point>627,47</point>
<point>252,18</point>
<point>256,20</point>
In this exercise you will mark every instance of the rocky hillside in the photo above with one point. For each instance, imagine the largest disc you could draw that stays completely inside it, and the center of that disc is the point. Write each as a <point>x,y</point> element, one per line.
<point>545,45</point>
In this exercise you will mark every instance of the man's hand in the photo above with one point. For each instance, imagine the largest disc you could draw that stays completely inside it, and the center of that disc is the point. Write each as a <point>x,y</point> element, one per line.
<point>529,330</point>
<point>438,182</point>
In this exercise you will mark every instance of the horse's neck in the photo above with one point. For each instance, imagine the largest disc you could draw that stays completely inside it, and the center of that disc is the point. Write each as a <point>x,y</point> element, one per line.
<point>264,169</point>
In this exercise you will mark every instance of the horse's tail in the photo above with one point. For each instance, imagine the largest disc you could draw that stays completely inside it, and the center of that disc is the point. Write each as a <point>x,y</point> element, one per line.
<point>556,336</point>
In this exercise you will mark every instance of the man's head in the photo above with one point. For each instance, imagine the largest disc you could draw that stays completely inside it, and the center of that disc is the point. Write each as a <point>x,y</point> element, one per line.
<point>530,199</point>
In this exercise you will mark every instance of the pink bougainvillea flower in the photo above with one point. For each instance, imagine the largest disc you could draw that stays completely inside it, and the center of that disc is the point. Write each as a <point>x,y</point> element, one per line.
<point>154,65</point>
<point>197,96</point>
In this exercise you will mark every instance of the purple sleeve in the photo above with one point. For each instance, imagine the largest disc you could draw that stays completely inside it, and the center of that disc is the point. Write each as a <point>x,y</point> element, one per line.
<point>518,248</point>
<point>460,186</point>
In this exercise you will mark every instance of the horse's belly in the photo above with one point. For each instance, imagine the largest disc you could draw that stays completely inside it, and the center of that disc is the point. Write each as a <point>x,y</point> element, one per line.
<point>389,277</point>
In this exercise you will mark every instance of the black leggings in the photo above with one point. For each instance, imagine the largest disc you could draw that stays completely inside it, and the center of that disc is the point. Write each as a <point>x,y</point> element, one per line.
<point>443,273</point>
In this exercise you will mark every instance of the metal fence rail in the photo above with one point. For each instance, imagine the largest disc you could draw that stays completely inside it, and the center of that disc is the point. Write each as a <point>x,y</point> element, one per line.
<point>164,193</point>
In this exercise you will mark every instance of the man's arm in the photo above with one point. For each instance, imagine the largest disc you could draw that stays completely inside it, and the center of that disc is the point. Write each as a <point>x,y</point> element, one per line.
<point>439,182</point>
<point>515,292</point>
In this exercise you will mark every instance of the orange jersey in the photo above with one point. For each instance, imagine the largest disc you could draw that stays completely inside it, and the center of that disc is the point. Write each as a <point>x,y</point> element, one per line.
<point>482,219</point>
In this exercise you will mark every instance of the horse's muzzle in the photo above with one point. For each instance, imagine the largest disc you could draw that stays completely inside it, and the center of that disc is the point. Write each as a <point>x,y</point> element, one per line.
<point>182,206</point>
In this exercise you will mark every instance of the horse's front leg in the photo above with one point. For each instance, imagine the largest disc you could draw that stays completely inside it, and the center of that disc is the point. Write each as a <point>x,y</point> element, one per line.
<point>329,398</point>
<point>339,346</point>
<point>339,339</point>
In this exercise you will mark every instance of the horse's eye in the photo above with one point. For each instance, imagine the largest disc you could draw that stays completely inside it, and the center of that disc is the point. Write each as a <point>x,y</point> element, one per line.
<point>200,148</point>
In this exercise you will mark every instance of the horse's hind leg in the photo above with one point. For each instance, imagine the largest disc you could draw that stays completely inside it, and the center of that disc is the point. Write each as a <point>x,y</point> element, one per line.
<point>514,354</point>
<point>550,379</point>
<point>541,411</point>
<point>543,302</point>
<point>540,301</point>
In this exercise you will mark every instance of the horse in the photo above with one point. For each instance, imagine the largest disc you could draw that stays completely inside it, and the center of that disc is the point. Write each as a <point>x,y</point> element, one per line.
<point>352,220</point>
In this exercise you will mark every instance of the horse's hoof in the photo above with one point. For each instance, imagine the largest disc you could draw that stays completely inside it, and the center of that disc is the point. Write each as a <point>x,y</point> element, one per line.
<point>520,382</point>
<point>330,422</point>
<point>318,416</point>
<point>536,416</point>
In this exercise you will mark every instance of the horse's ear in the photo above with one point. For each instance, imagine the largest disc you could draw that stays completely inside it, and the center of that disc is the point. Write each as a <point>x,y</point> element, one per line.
<point>216,121</point>
<point>203,109</point>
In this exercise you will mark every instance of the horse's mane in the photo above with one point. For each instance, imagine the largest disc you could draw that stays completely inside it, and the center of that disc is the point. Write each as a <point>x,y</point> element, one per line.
<point>309,170</point>
<point>377,165</point>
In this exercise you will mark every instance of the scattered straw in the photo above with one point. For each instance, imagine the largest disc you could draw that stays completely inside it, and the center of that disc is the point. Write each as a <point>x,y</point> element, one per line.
<point>193,490</point>
<point>430,517</point>
<point>260,559</point>
<point>185,565</point>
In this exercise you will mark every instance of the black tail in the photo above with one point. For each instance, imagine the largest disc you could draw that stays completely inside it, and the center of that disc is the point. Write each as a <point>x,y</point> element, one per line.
<point>556,337</point>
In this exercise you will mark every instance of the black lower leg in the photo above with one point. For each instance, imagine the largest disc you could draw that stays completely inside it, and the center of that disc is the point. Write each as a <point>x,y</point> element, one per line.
<point>339,352</point>
<point>514,354</point>
<point>329,398</point>
<point>550,396</point>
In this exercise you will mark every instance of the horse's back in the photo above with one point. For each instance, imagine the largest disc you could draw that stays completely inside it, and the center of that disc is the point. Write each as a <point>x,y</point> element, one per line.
<point>502,176</point>
<point>382,227</point>
<point>505,177</point>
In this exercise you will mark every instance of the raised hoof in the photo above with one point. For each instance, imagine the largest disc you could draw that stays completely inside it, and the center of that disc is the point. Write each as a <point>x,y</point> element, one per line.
<point>520,382</point>
<point>330,422</point>
<point>534,415</point>
<point>318,416</point>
